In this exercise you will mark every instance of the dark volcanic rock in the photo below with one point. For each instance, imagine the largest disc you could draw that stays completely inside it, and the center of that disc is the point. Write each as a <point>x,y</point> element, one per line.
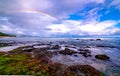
<point>86,69</point>
<point>67,52</point>
<point>57,69</point>
<point>42,53</point>
<point>102,57</point>
<point>101,46</point>
<point>98,39</point>
<point>21,50</point>
<point>109,46</point>
<point>28,49</point>
<point>4,44</point>
<point>53,69</point>
<point>77,39</point>
<point>88,46</point>
<point>87,55</point>
<point>56,47</point>
<point>75,55</point>
<point>85,52</point>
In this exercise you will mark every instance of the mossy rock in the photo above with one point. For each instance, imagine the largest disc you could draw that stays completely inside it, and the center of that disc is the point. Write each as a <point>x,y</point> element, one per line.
<point>21,64</point>
<point>4,44</point>
<point>87,70</point>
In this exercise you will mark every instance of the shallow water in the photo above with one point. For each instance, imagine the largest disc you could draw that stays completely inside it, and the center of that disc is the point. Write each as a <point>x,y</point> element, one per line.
<point>108,46</point>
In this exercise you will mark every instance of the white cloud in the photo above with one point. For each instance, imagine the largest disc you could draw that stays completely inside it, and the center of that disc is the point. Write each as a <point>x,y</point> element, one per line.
<point>58,28</point>
<point>115,3</point>
<point>81,28</point>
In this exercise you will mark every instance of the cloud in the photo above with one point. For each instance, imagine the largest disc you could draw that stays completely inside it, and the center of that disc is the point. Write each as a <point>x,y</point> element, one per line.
<point>48,18</point>
<point>26,23</point>
<point>115,3</point>
<point>80,28</point>
<point>44,26</point>
<point>59,9</point>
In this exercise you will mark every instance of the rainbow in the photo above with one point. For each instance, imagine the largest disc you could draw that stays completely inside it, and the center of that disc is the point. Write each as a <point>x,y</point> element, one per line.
<point>35,12</point>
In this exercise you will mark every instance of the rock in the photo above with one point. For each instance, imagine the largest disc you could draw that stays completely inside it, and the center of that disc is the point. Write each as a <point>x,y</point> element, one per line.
<point>85,52</point>
<point>56,47</point>
<point>53,69</point>
<point>3,53</point>
<point>86,69</point>
<point>76,55</point>
<point>101,46</point>
<point>50,43</point>
<point>87,55</point>
<point>77,39</point>
<point>45,61</point>
<point>102,57</point>
<point>98,39</point>
<point>4,44</point>
<point>21,50</point>
<point>67,52</point>
<point>88,46</point>
<point>91,39</point>
<point>55,53</point>
<point>106,46</point>
<point>42,53</point>
<point>57,69</point>
<point>28,49</point>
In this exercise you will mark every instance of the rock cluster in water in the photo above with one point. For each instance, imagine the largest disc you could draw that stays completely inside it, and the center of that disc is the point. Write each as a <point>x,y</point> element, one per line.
<point>85,52</point>
<point>56,47</point>
<point>67,51</point>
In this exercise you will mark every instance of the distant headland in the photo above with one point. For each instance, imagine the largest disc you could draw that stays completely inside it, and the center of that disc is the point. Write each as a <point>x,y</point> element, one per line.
<point>6,35</point>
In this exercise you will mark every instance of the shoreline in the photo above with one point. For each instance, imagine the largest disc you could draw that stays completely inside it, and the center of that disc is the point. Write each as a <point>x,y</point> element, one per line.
<point>7,37</point>
<point>64,53</point>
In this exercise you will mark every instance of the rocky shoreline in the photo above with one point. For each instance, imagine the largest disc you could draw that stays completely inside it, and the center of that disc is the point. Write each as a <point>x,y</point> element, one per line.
<point>53,69</point>
<point>54,59</point>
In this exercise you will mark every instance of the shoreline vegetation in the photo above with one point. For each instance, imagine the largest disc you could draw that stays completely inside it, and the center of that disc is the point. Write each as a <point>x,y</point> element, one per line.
<point>3,35</point>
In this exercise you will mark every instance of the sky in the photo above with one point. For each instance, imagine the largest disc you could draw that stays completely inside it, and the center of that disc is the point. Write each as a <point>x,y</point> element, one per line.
<point>60,18</point>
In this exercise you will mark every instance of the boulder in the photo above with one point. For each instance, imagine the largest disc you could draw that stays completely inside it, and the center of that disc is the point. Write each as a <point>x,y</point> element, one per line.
<point>67,52</point>
<point>98,39</point>
<point>42,53</point>
<point>56,47</point>
<point>85,52</point>
<point>28,49</point>
<point>87,70</point>
<point>77,39</point>
<point>102,57</point>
